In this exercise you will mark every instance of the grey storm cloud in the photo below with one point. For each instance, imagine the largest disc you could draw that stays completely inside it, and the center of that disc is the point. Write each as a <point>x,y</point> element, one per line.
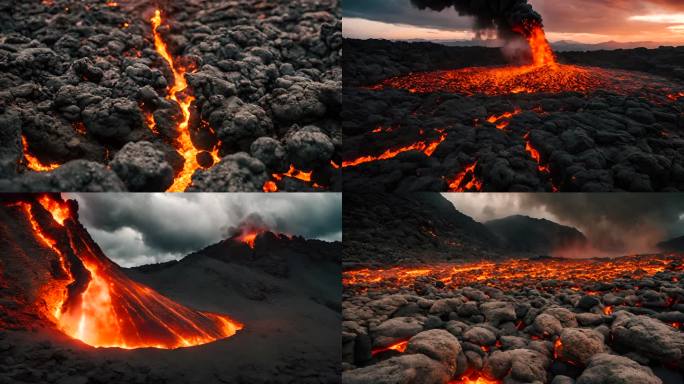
<point>403,12</point>
<point>141,228</point>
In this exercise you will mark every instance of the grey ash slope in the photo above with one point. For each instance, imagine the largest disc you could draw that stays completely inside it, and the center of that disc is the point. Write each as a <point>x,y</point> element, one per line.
<point>672,245</point>
<point>526,234</point>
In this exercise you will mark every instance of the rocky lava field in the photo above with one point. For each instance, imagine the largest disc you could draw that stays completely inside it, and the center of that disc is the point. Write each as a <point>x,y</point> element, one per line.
<point>254,308</point>
<point>427,117</point>
<point>170,96</point>
<point>540,320</point>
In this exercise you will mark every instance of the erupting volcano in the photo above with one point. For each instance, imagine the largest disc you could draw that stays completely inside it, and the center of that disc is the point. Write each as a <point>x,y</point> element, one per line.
<point>88,297</point>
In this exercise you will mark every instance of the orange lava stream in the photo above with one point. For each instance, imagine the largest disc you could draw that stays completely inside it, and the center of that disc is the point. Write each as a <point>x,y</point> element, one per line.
<point>502,121</point>
<point>476,380</point>
<point>249,238</point>
<point>33,163</point>
<point>457,184</point>
<point>184,143</point>
<point>271,186</point>
<point>542,54</point>
<point>399,347</point>
<point>535,155</point>
<point>428,148</point>
<point>512,273</point>
<point>114,311</point>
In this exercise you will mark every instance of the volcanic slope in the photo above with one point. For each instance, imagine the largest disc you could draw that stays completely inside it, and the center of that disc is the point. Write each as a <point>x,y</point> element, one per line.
<point>287,289</point>
<point>598,121</point>
<point>527,234</point>
<point>192,95</point>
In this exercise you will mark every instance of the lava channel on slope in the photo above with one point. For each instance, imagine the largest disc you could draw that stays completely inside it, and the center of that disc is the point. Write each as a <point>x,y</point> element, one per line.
<point>543,75</point>
<point>96,303</point>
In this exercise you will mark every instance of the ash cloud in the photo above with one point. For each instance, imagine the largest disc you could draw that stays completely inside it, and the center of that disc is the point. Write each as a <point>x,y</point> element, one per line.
<point>135,229</point>
<point>505,16</point>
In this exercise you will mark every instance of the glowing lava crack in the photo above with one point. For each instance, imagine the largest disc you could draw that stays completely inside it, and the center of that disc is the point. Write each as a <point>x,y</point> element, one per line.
<point>184,143</point>
<point>99,305</point>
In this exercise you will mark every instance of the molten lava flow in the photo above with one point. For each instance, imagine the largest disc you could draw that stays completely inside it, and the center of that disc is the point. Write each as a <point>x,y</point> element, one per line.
<point>32,162</point>
<point>428,148</point>
<point>399,347</point>
<point>270,186</point>
<point>512,274</point>
<point>557,348</point>
<point>112,310</point>
<point>675,96</point>
<point>475,378</point>
<point>184,143</point>
<point>249,237</point>
<point>459,184</point>
<point>608,310</point>
<point>542,54</point>
<point>502,121</point>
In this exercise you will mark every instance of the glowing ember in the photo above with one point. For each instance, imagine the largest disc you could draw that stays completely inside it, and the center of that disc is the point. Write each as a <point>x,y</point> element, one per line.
<point>249,237</point>
<point>428,148</point>
<point>466,180</point>
<point>675,96</point>
<point>399,347</point>
<point>608,310</point>
<point>557,348</point>
<point>474,379</point>
<point>32,162</point>
<point>112,310</point>
<point>270,186</point>
<point>513,273</point>
<point>184,143</point>
<point>535,155</point>
<point>502,121</point>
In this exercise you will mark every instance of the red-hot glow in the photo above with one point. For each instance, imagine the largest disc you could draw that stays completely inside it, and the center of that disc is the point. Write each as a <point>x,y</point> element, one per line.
<point>608,310</point>
<point>112,310</point>
<point>510,274</point>
<point>535,155</point>
<point>475,378</point>
<point>428,148</point>
<point>294,173</point>
<point>399,347</point>
<point>249,237</point>
<point>557,348</point>
<point>502,121</point>
<point>542,54</point>
<point>270,186</point>
<point>32,162</point>
<point>183,143</point>
<point>675,96</point>
<point>466,180</point>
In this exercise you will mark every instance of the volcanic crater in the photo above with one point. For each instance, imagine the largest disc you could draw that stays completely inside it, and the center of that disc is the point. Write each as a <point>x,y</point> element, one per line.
<point>568,121</point>
<point>170,96</point>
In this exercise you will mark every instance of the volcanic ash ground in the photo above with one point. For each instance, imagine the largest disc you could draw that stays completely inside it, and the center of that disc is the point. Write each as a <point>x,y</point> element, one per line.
<point>183,95</point>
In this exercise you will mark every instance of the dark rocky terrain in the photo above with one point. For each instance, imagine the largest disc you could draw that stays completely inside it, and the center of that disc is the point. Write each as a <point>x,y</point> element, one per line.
<point>86,101</point>
<point>625,330</point>
<point>602,140</point>
<point>285,291</point>
<point>672,245</point>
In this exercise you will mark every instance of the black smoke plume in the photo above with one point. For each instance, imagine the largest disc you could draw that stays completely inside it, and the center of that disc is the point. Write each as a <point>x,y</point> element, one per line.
<point>510,18</point>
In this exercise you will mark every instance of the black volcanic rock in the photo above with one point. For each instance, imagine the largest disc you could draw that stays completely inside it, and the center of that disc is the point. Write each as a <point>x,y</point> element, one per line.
<point>391,227</point>
<point>672,245</point>
<point>540,236</point>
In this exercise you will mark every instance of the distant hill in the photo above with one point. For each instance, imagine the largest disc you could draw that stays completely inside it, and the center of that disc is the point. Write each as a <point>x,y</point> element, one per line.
<point>672,245</point>
<point>412,227</point>
<point>558,46</point>
<point>526,234</point>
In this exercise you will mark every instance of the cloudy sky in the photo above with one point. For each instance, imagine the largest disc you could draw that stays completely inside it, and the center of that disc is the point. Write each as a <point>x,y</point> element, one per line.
<point>142,228</point>
<point>587,21</point>
<point>613,222</point>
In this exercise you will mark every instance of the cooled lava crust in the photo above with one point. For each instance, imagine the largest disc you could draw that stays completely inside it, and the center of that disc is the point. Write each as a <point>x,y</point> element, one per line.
<point>426,117</point>
<point>178,95</point>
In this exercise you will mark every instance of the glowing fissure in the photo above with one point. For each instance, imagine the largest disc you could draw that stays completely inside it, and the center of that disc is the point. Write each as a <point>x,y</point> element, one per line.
<point>32,162</point>
<point>114,311</point>
<point>294,173</point>
<point>427,147</point>
<point>399,347</point>
<point>535,155</point>
<point>466,180</point>
<point>502,121</point>
<point>474,379</point>
<point>184,143</point>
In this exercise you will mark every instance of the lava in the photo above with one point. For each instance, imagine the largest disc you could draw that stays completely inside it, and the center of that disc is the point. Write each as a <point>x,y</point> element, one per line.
<point>459,184</point>
<point>535,155</point>
<point>428,148</point>
<point>542,54</point>
<point>184,143</point>
<point>608,310</point>
<point>111,310</point>
<point>474,379</point>
<point>513,273</point>
<point>32,162</point>
<point>399,347</point>
<point>294,173</point>
<point>249,237</point>
<point>502,121</point>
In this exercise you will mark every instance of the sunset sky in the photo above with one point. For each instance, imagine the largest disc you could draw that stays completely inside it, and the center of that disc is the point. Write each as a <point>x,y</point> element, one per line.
<point>586,21</point>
